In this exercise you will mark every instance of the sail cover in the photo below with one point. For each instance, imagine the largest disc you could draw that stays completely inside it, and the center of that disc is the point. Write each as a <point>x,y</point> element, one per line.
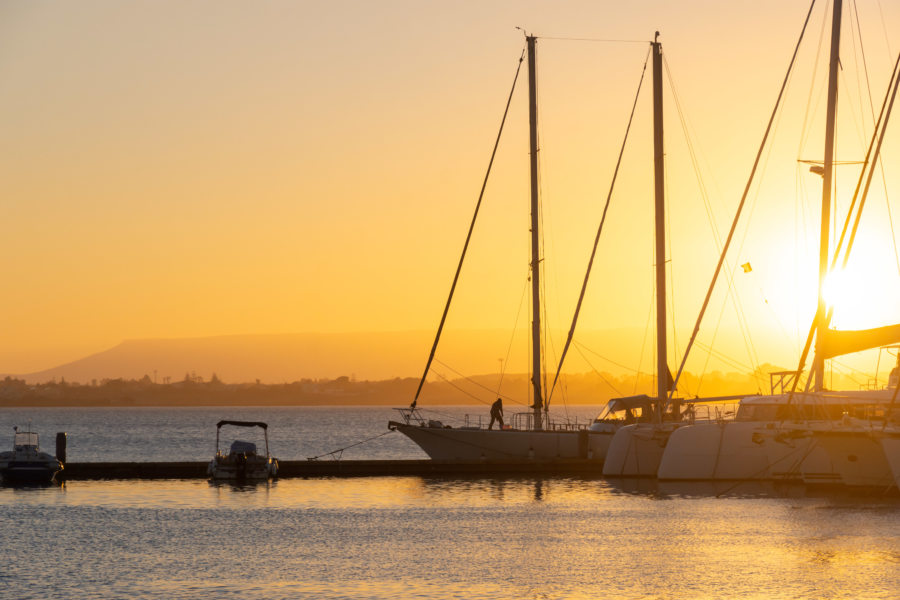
<point>835,343</point>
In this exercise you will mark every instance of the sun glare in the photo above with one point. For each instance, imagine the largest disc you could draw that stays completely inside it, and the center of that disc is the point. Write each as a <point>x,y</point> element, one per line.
<point>838,290</point>
<point>849,293</point>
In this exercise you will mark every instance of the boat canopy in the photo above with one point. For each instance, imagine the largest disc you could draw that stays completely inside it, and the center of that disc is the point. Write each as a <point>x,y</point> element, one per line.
<point>243,424</point>
<point>25,438</point>
<point>629,402</point>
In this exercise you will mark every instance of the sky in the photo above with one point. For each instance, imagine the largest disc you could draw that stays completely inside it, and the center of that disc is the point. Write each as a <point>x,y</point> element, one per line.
<point>189,169</point>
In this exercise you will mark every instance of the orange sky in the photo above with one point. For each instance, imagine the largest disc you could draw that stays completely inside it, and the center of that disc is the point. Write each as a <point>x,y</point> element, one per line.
<point>175,169</point>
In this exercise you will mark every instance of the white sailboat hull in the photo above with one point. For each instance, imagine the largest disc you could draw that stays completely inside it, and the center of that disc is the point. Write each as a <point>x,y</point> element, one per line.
<point>443,443</point>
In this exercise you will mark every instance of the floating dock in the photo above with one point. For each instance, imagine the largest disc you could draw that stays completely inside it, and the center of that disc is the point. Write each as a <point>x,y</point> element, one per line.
<point>339,468</point>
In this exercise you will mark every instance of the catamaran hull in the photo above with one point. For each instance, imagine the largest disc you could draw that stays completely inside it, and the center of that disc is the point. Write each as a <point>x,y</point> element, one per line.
<point>858,456</point>
<point>891,446</point>
<point>636,450</point>
<point>745,451</point>
<point>441,443</point>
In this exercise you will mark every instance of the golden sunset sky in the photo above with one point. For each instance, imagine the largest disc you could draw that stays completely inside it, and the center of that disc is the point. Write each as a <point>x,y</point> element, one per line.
<point>188,169</point>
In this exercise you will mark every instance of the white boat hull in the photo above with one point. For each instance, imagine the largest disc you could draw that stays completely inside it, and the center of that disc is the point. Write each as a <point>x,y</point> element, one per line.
<point>636,450</point>
<point>891,446</point>
<point>223,468</point>
<point>746,451</point>
<point>444,443</point>
<point>858,456</point>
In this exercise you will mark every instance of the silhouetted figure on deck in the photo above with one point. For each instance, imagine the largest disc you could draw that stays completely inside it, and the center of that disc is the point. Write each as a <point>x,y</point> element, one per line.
<point>496,413</point>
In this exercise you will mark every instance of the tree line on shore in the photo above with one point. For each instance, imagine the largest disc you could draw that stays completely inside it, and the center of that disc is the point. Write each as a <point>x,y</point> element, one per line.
<point>587,388</point>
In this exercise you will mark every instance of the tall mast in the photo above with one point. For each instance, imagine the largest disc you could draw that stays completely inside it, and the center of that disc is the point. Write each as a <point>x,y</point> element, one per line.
<point>834,63</point>
<point>662,369</point>
<point>535,238</point>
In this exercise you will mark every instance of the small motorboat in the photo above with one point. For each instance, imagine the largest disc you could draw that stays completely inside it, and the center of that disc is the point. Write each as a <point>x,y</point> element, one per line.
<point>242,462</point>
<point>26,463</point>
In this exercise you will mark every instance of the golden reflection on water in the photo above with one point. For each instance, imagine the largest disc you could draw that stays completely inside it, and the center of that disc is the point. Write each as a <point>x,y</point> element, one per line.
<point>399,537</point>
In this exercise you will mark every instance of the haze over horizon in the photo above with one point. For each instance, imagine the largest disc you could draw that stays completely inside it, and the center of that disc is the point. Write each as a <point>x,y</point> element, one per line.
<point>186,171</point>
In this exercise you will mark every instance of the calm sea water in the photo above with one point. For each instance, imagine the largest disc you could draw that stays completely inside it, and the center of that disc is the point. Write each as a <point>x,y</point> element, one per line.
<point>410,537</point>
<point>189,434</point>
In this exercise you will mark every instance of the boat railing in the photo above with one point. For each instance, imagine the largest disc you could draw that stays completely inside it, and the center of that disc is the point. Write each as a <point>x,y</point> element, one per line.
<point>412,416</point>
<point>523,420</point>
<point>568,425</point>
<point>473,421</point>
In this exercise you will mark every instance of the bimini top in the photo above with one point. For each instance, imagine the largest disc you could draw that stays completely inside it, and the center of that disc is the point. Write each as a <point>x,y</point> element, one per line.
<point>243,424</point>
<point>630,402</point>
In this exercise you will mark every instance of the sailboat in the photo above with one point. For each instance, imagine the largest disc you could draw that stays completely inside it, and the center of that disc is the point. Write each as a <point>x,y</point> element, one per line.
<point>812,435</point>
<point>532,435</point>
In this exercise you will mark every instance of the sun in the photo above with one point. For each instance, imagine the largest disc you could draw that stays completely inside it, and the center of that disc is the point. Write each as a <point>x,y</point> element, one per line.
<point>838,290</point>
<point>860,297</point>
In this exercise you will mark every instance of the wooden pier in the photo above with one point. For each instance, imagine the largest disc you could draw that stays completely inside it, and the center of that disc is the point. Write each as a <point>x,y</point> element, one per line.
<point>339,468</point>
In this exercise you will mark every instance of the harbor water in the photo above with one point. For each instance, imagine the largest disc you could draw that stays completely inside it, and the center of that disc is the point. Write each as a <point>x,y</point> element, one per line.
<point>411,537</point>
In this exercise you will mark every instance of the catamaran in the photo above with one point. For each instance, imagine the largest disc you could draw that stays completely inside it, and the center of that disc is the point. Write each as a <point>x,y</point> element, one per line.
<point>811,434</point>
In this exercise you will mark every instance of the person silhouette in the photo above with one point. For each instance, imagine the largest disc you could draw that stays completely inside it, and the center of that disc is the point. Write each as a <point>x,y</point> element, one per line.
<point>496,413</point>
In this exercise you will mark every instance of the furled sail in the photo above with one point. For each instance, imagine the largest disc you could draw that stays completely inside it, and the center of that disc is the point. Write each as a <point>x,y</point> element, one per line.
<point>835,343</point>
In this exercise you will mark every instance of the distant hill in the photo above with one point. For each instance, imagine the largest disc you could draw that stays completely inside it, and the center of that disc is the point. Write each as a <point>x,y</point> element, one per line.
<point>240,358</point>
<point>285,358</point>
<point>280,358</point>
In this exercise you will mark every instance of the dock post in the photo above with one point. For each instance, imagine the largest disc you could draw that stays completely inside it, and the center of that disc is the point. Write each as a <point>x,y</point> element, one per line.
<point>61,447</point>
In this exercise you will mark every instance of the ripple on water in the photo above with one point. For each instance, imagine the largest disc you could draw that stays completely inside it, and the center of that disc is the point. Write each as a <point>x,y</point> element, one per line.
<point>413,537</point>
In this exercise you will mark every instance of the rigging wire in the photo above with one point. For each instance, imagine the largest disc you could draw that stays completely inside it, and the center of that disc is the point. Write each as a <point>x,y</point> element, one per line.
<point>644,341</point>
<point>575,39</point>
<point>337,454</point>
<point>812,87</point>
<point>704,194</point>
<point>872,110</point>
<point>743,199</point>
<point>598,373</point>
<point>671,268</point>
<point>600,356</point>
<point>460,388</point>
<point>856,35</point>
<point>599,231</point>
<point>887,38</point>
<point>732,362</point>
<point>512,337</point>
<point>470,380</point>
<point>437,337</point>
<point>885,114</point>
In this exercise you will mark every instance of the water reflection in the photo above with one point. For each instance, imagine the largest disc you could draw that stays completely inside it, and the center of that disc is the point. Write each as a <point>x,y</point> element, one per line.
<point>244,486</point>
<point>30,485</point>
<point>394,537</point>
<point>661,490</point>
<point>418,492</point>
